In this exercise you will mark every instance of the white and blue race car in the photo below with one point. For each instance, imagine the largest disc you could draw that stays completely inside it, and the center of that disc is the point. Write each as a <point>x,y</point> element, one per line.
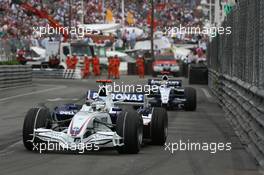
<point>171,94</point>
<point>102,121</point>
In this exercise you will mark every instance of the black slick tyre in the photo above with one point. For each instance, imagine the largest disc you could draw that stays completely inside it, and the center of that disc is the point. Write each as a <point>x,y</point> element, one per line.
<point>129,126</point>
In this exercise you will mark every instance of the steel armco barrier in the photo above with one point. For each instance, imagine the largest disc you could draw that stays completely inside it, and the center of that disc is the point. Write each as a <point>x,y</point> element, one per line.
<point>57,73</point>
<point>15,75</point>
<point>243,104</point>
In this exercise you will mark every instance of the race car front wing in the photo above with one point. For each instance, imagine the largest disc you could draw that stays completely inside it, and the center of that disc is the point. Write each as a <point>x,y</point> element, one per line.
<point>99,139</point>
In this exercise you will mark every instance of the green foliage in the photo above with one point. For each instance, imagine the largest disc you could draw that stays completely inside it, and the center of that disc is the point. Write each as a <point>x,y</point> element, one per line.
<point>12,62</point>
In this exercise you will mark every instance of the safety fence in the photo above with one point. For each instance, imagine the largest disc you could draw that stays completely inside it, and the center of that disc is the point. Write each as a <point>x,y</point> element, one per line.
<point>15,75</point>
<point>241,54</point>
<point>236,73</point>
<point>9,47</point>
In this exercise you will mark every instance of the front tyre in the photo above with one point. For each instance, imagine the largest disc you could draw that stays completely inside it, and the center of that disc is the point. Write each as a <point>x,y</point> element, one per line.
<point>35,118</point>
<point>129,126</point>
<point>159,126</point>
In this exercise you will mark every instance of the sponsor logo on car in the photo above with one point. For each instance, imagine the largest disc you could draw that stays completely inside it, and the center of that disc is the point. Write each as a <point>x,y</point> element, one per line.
<point>119,96</point>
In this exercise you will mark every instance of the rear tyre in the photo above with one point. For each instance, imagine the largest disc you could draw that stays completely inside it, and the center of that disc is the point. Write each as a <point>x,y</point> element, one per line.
<point>159,126</point>
<point>190,96</point>
<point>35,118</point>
<point>129,125</point>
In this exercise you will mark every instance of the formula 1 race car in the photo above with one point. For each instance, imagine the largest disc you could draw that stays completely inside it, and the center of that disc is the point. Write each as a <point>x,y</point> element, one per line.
<point>102,121</point>
<point>170,94</point>
<point>165,64</point>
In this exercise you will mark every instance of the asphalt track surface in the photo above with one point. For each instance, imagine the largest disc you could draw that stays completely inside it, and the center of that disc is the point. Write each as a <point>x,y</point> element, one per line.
<point>207,124</point>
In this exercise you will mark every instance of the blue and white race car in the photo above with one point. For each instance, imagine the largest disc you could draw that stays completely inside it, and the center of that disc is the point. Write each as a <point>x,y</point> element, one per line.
<point>102,121</point>
<point>171,94</point>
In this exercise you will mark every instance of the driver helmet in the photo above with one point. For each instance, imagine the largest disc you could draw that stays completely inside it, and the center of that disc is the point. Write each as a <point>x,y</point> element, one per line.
<point>98,105</point>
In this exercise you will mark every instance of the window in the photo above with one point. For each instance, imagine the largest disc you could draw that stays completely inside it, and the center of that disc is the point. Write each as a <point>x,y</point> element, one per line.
<point>66,50</point>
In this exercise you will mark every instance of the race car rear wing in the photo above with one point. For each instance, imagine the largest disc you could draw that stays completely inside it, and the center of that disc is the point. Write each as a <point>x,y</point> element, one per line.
<point>158,82</point>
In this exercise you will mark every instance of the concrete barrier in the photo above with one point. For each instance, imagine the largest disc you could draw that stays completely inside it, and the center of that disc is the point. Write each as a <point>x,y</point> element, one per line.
<point>15,75</point>
<point>243,104</point>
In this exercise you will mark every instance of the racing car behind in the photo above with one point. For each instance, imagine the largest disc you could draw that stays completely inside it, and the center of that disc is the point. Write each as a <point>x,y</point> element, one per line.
<point>172,95</point>
<point>165,64</point>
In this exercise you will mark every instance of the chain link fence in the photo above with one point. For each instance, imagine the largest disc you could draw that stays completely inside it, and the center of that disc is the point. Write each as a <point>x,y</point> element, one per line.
<point>241,54</point>
<point>9,47</point>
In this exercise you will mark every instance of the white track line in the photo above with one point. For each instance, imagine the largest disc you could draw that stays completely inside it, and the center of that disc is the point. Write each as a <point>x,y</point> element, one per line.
<point>6,150</point>
<point>32,93</point>
<point>14,144</point>
<point>206,93</point>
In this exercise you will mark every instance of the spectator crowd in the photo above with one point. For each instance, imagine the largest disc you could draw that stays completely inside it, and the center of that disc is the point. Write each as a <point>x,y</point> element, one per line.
<point>17,24</point>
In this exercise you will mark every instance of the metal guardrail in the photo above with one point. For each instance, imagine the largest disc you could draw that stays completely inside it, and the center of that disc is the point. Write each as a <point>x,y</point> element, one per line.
<point>15,75</point>
<point>52,73</point>
<point>243,104</point>
<point>57,73</point>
